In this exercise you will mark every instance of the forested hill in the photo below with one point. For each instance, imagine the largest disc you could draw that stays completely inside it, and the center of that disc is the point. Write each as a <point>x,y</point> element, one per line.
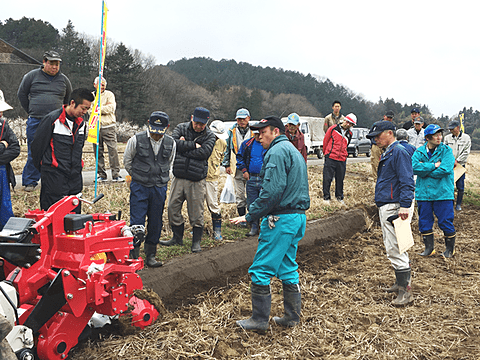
<point>213,75</point>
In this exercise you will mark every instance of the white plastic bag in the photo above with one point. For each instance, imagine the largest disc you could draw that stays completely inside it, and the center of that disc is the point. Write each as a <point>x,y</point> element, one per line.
<point>228,193</point>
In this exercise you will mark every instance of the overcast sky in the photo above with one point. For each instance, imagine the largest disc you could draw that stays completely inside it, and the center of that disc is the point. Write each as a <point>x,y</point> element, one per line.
<point>413,51</point>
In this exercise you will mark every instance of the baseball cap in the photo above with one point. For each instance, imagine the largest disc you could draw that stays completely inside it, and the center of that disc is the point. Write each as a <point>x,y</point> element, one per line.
<point>293,118</point>
<point>389,114</point>
<point>415,110</point>
<point>379,127</point>
<point>158,122</point>
<point>419,120</point>
<point>201,114</point>
<point>3,105</point>
<point>453,124</point>
<point>267,121</point>
<point>52,56</point>
<point>242,114</point>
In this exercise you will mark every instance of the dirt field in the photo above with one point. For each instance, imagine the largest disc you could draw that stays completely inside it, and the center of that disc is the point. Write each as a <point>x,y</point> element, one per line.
<point>345,313</point>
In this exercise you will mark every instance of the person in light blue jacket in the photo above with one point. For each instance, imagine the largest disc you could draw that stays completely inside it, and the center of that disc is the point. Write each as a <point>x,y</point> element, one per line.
<point>433,164</point>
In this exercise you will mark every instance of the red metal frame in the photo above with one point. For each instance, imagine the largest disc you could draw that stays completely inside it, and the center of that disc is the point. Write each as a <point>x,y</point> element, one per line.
<point>108,291</point>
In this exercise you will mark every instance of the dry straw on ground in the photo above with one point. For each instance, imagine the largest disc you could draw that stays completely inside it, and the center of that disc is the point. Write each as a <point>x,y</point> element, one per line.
<point>345,313</point>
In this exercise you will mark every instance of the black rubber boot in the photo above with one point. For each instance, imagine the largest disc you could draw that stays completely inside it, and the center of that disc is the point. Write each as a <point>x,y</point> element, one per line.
<point>405,296</point>
<point>253,229</point>
<point>197,238</point>
<point>217,226</point>
<point>449,246</point>
<point>429,244</point>
<point>292,305</point>
<point>150,252</point>
<point>458,207</point>
<point>177,238</point>
<point>261,305</point>
<point>135,252</point>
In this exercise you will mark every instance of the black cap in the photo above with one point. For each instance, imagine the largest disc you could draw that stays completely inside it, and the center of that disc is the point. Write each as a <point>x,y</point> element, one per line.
<point>390,114</point>
<point>158,122</point>
<point>453,124</point>
<point>379,127</point>
<point>267,121</point>
<point>52,56</point>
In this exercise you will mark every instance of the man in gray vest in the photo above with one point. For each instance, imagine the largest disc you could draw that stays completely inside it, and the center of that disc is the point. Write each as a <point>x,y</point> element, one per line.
<point>148,158</point>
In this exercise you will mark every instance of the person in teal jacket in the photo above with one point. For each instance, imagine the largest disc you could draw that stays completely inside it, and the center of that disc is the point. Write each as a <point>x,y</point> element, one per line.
<point>434,191</point>
<point>282,203</point>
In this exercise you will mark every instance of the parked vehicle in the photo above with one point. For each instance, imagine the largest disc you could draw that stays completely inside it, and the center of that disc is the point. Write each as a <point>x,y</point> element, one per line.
<point>312,129</point>
<point>359,143</point>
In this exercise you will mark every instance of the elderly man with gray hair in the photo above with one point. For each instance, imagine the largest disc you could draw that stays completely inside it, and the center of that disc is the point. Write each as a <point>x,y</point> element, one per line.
<point>108,134</point>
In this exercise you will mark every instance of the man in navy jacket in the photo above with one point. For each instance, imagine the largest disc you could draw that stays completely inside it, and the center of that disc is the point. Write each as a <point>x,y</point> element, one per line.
<point>394,193</point>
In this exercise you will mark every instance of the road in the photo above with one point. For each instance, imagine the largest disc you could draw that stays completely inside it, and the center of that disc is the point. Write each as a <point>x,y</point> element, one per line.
<point>89,175</point>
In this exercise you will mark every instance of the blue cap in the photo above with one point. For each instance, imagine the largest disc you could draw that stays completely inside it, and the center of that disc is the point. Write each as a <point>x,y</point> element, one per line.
<point>379,127</point>
<point>201,115</point>
<point>158,122</point>
<point>431,130</point>
<point>294,119</point>
<point>242,114</point>
<point>415,110</point>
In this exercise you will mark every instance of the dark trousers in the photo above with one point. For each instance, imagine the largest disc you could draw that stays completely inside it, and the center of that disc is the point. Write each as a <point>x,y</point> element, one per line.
<point>460,184</point>
<point>55,186</point>
<point>333,169</point>
<point>148,202</point>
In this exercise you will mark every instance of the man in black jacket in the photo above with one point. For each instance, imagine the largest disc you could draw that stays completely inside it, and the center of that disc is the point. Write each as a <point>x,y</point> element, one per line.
<point>9,150</point>
<point>57,149</point>
<point>195,143</point>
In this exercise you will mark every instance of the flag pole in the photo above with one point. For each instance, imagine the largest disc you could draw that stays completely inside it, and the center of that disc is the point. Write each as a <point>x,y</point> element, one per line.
<point>95,116</point>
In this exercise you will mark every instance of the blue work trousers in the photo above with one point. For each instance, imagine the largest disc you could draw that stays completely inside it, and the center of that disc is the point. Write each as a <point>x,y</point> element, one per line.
<point>277,250</point>
<point>30,174</point>
<point>443,210</point>
<point>148,202</point>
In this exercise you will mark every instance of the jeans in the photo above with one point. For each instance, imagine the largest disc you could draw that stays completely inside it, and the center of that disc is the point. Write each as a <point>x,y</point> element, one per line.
<point>254,185</point>
<point>30,174</point>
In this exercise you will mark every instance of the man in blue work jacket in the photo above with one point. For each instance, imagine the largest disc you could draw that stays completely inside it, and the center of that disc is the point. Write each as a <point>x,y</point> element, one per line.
<point>282,203</point>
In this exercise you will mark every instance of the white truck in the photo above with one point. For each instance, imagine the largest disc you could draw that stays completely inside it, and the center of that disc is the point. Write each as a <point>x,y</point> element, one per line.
<point>312,129</point>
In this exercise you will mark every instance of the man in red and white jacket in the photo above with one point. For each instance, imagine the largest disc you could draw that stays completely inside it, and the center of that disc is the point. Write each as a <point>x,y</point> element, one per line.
<point>335,145</point>
<point>57,149</point>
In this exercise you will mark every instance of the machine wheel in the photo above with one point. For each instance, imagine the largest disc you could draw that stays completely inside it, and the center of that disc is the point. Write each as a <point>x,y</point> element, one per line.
<point>319,153</point>
<point>368,153</point>
<point>25,354</point>
<point>355,153</point>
